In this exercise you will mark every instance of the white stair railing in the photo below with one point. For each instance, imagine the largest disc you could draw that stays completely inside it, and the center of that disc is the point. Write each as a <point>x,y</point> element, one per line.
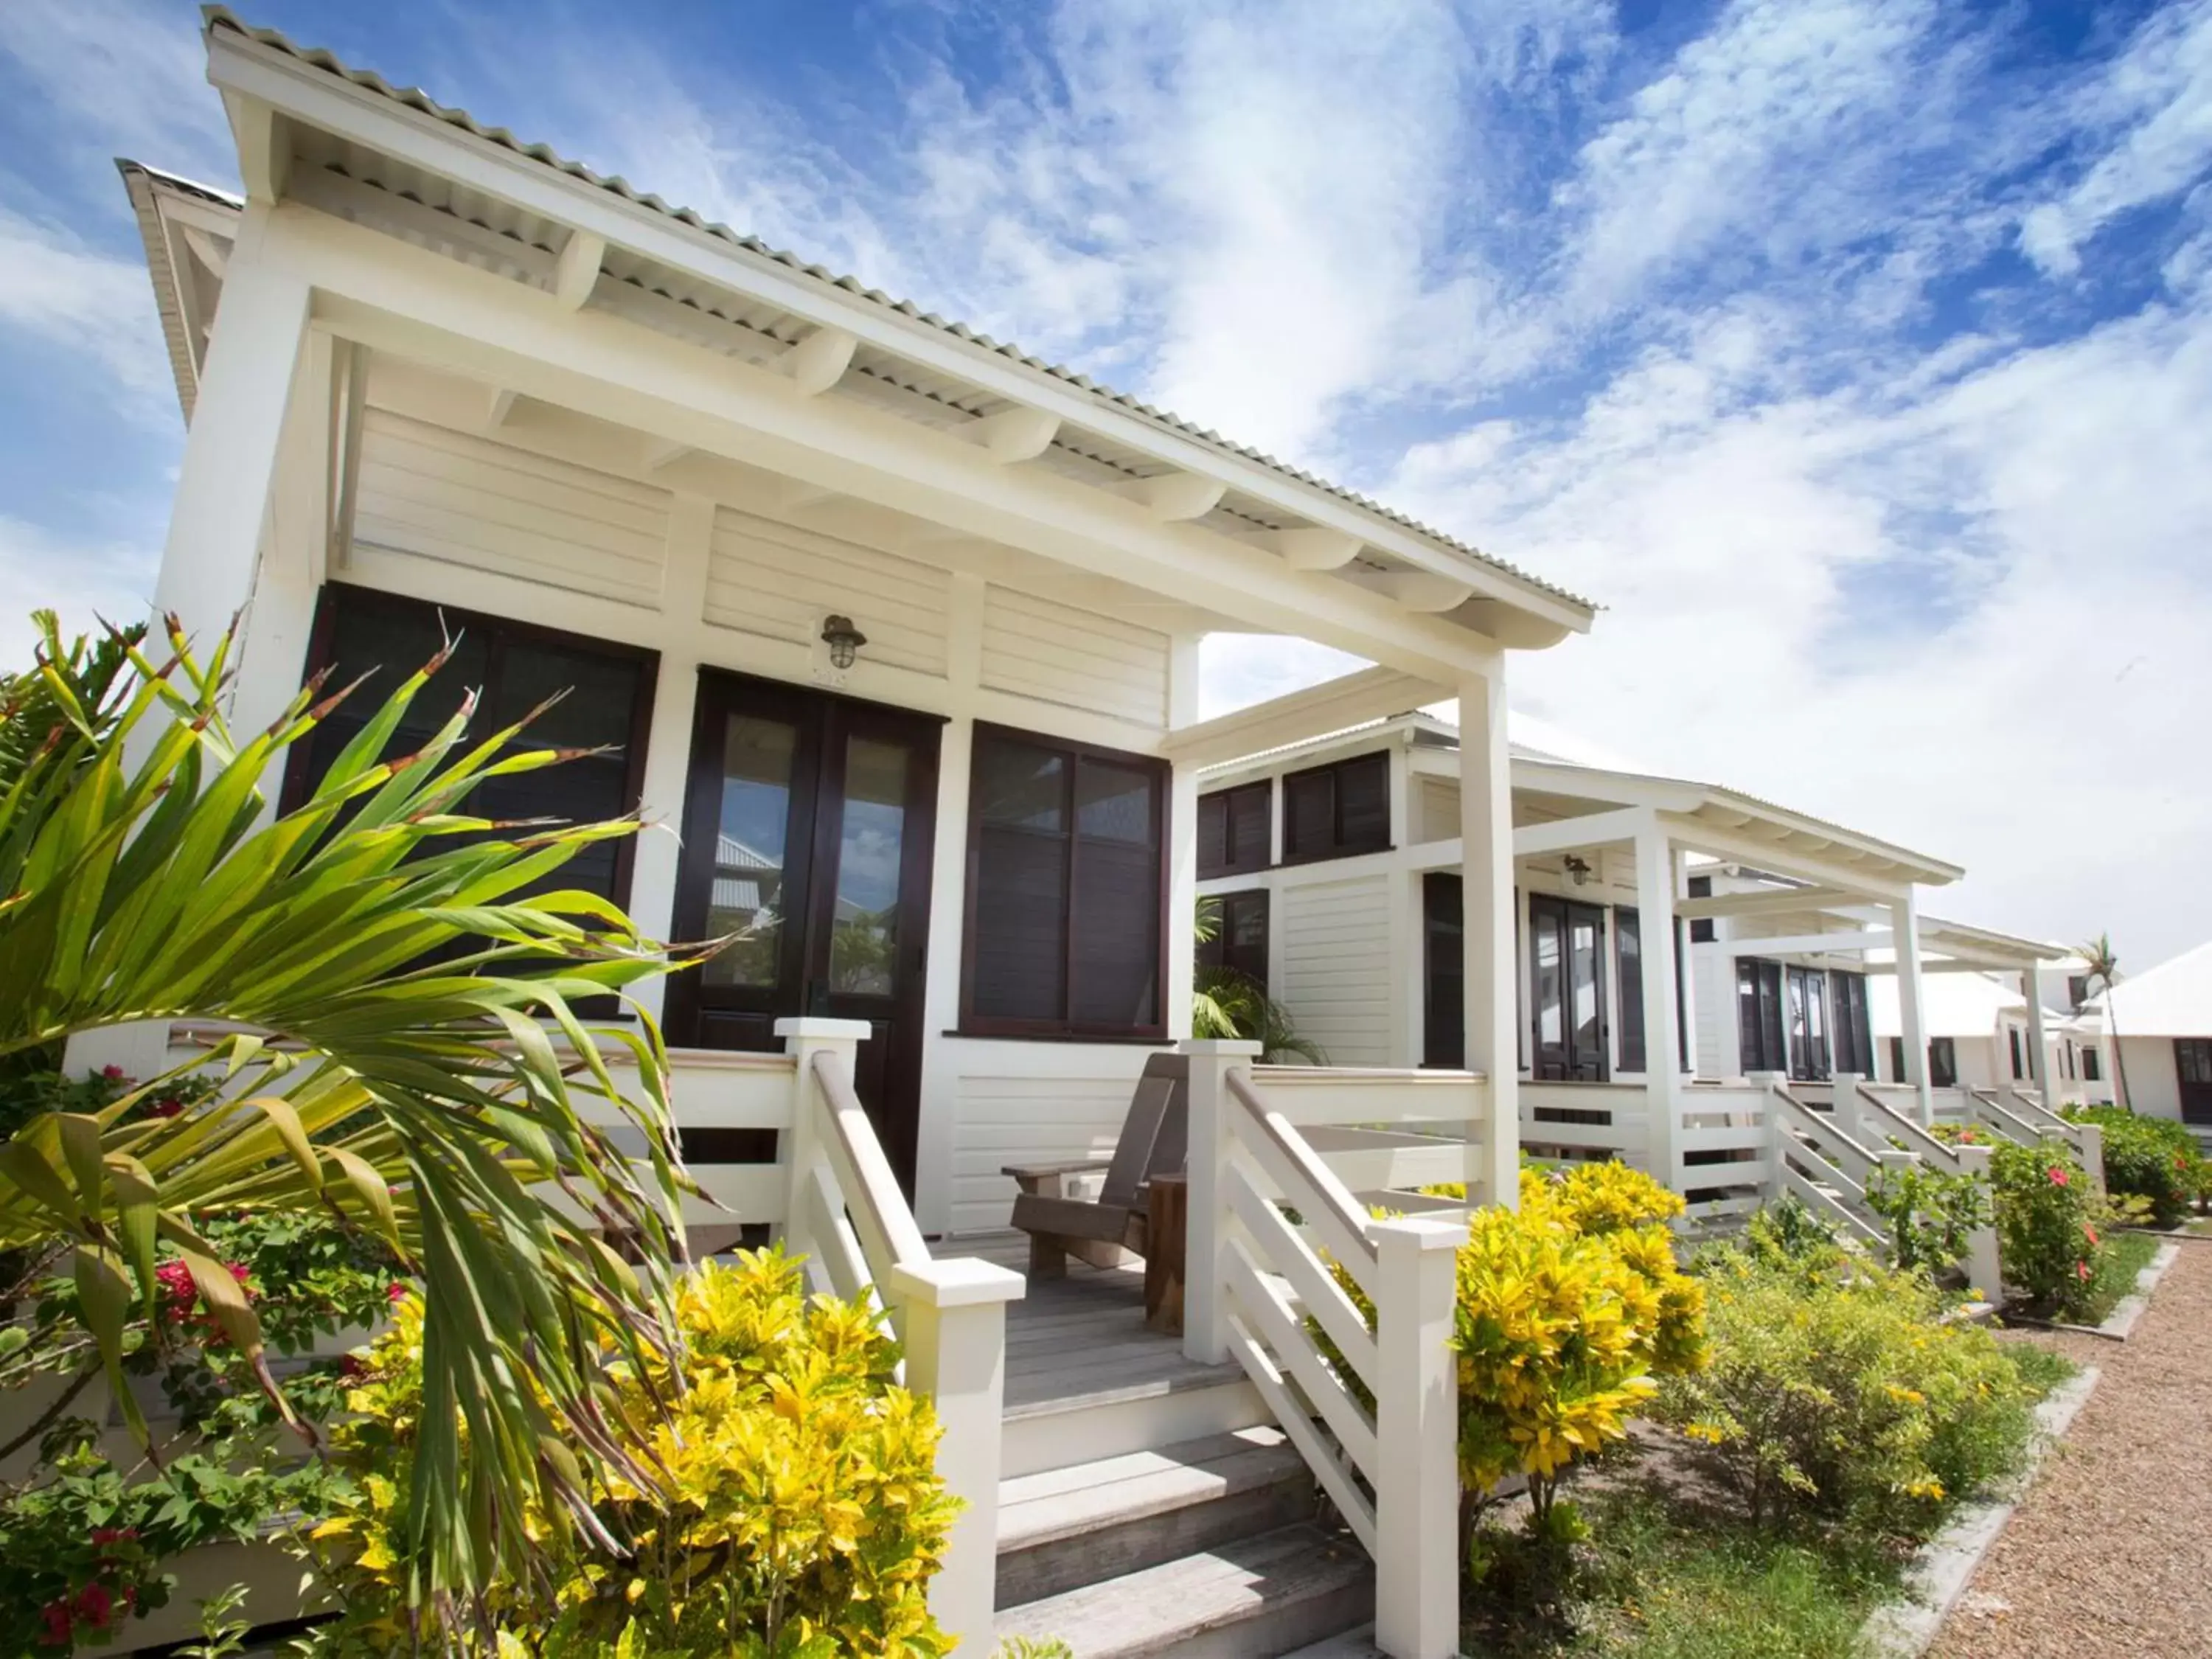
<point>1869,1118</point>
<point>1269,1221</point>
<point>1820,1165</point>
<point>2086,1140</point>
<point>845,1211</point>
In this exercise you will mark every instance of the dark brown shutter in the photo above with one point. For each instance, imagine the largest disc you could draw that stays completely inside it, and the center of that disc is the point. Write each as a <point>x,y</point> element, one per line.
<point>1216,837</point>
<point>1244,936</point>
<point>1308,814</point>
<point>1020,944</point>
<point>1362,804</point>
<point>1249,809</point>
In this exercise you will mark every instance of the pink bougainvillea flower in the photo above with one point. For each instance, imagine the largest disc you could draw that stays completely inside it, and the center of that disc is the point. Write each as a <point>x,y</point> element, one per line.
<point>113,1535</point>
<point>59,1625</point>
<point>2090,1233</point>
<point>113,1073</point>
<point>2081,1270</point>
<point>397,1291</point>
<point>166,1106</point>
<point>2058,1175</point>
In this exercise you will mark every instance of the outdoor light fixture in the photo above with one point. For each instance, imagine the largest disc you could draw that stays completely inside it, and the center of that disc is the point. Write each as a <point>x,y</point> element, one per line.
<point>1578,866</point>
<point>843,640</point>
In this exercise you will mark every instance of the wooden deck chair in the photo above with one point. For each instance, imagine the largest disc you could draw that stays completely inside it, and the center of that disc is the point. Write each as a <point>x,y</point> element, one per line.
<point>1154,1139</point>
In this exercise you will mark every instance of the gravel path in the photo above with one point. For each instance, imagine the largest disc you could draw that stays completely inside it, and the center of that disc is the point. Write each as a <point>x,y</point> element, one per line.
<point>2111,1556</point>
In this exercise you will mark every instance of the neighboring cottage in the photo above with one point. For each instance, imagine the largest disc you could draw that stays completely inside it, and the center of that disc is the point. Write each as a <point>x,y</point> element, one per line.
<point>2162,1022</point>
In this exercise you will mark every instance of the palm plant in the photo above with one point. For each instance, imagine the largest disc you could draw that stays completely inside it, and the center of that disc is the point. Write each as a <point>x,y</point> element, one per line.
<point>1226,1003</point>
<point>2103,968</point>
<point>408,1060</point>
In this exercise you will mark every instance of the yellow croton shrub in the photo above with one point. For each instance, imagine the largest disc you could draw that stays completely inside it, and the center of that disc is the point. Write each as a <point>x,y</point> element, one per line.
<point>1569,1308</point>
<point>800,1514</point>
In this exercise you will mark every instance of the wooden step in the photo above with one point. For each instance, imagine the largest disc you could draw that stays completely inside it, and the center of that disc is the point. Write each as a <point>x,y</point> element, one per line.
<point>1258,1598</point>
<point>1064,1528</point>
<point>1121,1404</point>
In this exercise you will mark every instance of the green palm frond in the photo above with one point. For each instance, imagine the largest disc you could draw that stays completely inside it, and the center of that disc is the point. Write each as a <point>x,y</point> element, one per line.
<point>407,1057</point>
<point>1227,1004</point>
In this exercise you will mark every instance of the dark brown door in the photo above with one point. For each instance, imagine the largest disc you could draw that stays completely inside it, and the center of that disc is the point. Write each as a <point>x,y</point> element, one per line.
<point>2192,1065</point>
<point>1566,964</point>
<point>808,825</point>
<point>1808,1025</point>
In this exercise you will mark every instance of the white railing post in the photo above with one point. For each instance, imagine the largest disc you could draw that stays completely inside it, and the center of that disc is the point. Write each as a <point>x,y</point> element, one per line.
<point>2093,1151</point>
<point>1984,1268</point>
<point>1778,1134</point>
<point>1204,1304</point>
<point>1849,1111</point>
<point>1416,1439</point>
<point>955,1355</point>
<point>798,1149</point>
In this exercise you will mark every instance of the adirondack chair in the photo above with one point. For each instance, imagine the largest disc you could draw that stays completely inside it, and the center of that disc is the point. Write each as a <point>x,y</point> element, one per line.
<point>1154,1137</point>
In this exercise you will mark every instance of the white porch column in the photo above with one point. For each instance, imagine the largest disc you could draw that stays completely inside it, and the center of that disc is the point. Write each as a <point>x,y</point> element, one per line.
<point>1684,1028</point>
<point>956,1356</point>
<point>1181,941</point>
<point>230,452</point>
<point>1485,818</point>
<point>1654,907</point>
<point>1912,1011</point>
<point>2038,1051</point>
<point>1204,1312</point>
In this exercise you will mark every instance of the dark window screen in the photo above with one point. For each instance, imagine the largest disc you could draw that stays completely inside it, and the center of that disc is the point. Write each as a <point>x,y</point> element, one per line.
<point>1233,829</point>
<point>1239,944</point>
<point>1337,811</point>
<point>1628,969</point>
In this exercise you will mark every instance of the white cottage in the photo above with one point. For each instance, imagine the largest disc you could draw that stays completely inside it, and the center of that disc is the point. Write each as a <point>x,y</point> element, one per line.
<point>2162,1022</point>
<point>893,631</point>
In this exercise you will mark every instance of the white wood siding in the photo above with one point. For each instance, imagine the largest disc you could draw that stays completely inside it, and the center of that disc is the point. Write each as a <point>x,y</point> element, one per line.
<point>1713,995</point>
<point>1027,1102</point>
<point>1439,818</point>
<point>1056,653</point>
<point>779,581</point>
<point>1336,965</point>
<point>442,494</point>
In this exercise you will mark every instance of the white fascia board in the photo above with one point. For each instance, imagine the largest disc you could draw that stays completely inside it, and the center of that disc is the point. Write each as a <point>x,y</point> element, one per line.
<point>1778,901</point>
<point>1704,837</point>
<point>1318,711</point>
<point>250,69</point>
<point>1590,829</point>
<point>392,296</point>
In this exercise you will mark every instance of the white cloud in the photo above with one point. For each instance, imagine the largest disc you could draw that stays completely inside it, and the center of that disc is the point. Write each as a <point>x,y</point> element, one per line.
<point>41,570</point>
<point>2156,97</point>
<point>55,288</point>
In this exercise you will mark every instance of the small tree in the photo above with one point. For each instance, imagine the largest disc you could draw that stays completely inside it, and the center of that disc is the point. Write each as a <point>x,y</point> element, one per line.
<point>2104,968</point>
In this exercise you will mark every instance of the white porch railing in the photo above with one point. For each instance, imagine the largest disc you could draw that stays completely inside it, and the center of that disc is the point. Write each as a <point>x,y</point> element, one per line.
<point>1821,1166</point>
<point>1867,1117</point>
<point>1269,1218</point>
<point>843,1209</point>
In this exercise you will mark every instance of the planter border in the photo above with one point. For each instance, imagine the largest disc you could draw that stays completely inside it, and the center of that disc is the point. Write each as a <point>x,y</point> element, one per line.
<point>1904,1629</point>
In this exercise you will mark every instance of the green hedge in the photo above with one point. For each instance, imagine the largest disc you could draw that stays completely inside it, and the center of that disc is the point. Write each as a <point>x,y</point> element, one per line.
<point>2153,1158</point>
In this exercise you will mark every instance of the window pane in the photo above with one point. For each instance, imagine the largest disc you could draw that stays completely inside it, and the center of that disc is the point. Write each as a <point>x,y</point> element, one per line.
<point>1117,935</point>
<point>1363,795</point>
<point>1214,855</point>
<point>747,898</point>
<point>864,926</point>
<point>1582,933</point>
<point>1551,1029</point>
<point>1020,786</point>
<point>1113,802</point>
<point>1308,814</point>
<point>1628,953</point>
<point>1248,810</point>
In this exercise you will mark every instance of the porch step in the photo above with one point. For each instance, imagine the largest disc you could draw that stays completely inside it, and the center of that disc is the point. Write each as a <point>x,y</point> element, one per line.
<point>1257,1598</point>
<point>1110,1406</point>
<point>1064,1528</point>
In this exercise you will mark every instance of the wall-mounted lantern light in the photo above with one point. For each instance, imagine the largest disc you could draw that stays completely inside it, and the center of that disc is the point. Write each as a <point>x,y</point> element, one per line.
<point>843,640</point>
<point>1578,867</point>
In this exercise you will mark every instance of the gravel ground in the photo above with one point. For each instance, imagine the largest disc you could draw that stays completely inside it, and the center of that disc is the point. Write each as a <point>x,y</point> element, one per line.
<point>2111,1555</point>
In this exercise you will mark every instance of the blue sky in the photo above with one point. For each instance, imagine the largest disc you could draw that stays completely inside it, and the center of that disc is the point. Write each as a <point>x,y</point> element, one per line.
<point>1856,354</point>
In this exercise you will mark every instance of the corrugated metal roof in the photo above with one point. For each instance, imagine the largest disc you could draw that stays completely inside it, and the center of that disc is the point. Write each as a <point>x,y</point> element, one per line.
<point>414,98</point>
<point>143,183</point>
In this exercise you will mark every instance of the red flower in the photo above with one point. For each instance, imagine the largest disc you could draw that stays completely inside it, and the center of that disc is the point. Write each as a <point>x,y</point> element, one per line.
<point>113,1073</point>
<point>96,1606</point>
<point>2058,1175</point>
<point>180,1295</point>
<point>114,1535</point>
<point>352,1367</point>
<point>396,1291</point>
<point>2081,1270</point>
<point>2179,1162</point>
<point>2091,1233</point>
<point>59,1625</point>
<point>166,1106</point>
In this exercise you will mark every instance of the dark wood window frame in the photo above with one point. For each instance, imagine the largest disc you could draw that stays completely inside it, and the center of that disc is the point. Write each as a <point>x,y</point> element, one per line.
<point>458,619</point>
<point>1222,950</point>
<point>1064,1029</point>
<point>1338,845</point>
<point>1628,975</point>
<point>2093,1065</point>
<point>1238,859</point>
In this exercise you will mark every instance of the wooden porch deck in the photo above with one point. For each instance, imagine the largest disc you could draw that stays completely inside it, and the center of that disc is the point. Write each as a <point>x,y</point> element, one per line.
<point>1081,1340</point>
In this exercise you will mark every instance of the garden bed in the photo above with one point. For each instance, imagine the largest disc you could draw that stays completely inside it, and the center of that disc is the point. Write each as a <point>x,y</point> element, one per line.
<point>2130,1265</point>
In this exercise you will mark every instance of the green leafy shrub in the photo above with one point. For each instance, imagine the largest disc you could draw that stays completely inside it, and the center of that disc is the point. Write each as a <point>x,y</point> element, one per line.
<point>1931,1215</point>
<point>2048,1221</point>
<point>1836,1390</point>
<point>2154,1159</point>
<point>801,1515</point>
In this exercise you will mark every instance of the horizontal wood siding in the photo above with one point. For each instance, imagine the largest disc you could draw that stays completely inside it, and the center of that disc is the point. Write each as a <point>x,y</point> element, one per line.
<point>1031,1104</point>
<point>443,494</point>
<point>1056,653</point>
<point>779,581</point>
<point>1336,965</point>
<point>1439,810</point>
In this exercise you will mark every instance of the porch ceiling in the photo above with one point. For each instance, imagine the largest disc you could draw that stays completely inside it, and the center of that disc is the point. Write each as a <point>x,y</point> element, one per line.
<point>346,142</point>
